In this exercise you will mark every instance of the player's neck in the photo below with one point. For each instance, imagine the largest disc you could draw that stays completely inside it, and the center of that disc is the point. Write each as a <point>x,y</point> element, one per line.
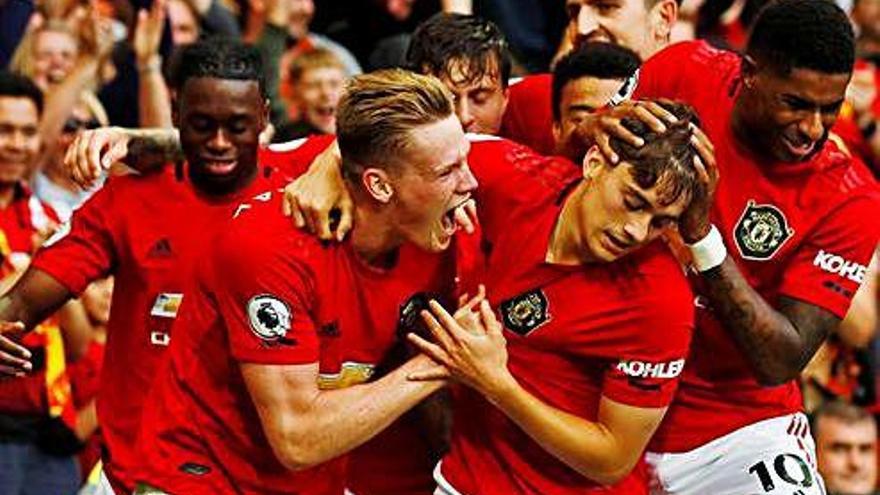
<point>7,194</point>
<point>742,137</point>
<point>567,245</point>
<point>373,239</point>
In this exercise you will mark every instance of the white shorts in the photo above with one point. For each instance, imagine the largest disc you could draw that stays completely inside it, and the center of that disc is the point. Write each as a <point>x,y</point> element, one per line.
<point>104,486</point>
<point>775,456</point>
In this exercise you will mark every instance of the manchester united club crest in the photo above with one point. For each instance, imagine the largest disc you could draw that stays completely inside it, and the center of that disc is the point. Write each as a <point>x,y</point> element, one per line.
<point>526,312</point>
<point>761,231</point>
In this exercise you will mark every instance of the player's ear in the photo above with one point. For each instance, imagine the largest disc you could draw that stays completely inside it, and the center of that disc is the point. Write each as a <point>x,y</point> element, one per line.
<point>265,114</point>
<point>749,71</point>
<point>377,184</point>
<point>663,16</point>
<point>593,162</point>
<point>557,131</point>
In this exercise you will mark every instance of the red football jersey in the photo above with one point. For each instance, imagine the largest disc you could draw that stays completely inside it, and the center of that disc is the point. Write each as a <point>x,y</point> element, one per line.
<point>574,333</point>
<point>271,294</point>
<point>528,118</point>
<point>23,219</point>
<point>800,230</point>
<point>147,231</point>
<point>20,223</point>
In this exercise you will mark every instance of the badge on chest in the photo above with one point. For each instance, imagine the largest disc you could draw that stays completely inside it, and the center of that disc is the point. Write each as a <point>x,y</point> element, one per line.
<point>524,313</point>
<point>761,231</point>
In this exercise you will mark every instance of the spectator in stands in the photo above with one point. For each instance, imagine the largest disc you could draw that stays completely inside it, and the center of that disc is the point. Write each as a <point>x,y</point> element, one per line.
<point>317,79</point>
<point>184,21</point>
<point>846,448</point>
<point>38,417</point>
<point>47,54</point>
<point>866,16</point>
<point>284,37</point>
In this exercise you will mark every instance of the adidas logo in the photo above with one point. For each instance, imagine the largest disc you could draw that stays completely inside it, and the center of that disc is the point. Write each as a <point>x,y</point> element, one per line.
<point>162,249</point>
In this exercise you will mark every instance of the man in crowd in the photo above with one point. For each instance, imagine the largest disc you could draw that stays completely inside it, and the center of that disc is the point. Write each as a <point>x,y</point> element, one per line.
<point>317,78</point>
<point>792,213</point>
<point>30,405</point>
<point>846,448</point>
<point>147,232</point>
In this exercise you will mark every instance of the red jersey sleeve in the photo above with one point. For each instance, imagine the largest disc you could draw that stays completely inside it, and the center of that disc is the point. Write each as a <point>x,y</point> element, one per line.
<point>293,158</point>
<point>665,74</point>
<point>831,264</point>
<point>264,294</point>
<point>83,249</point>
<point>648,371</point>
<point>528,118</point>
<point>509,174</point>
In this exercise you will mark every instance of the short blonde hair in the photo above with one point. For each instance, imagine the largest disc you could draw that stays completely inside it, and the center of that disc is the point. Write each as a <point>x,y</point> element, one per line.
<point>378,111</point>
<point>318,58</point>
<point>23,58</point>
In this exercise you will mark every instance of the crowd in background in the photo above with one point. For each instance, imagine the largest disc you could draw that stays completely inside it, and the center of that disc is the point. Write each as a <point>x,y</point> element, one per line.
<point>105,63</point>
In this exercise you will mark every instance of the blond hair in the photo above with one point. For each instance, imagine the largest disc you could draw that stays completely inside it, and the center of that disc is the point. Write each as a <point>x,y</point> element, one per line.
<point>318,58</point>
<point>378,111</point>
<point>22,61</point>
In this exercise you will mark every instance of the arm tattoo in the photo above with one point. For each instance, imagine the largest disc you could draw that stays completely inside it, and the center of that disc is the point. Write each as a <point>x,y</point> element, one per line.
<point>777,343</point>
<point>149,149</point>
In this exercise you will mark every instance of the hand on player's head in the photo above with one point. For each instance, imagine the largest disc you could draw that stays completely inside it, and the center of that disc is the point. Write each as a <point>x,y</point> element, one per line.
<point>601,127</point>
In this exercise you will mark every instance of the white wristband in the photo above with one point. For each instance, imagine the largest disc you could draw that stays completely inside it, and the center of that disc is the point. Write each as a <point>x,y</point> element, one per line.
<point>709,251</point>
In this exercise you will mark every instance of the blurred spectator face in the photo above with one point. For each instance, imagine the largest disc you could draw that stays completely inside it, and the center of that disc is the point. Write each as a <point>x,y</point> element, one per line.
<point>399,9</point>
<point>578,99</point>
<point>847,455</point>
<point>318,91</point>
<point>80,119</point>
<point>96,299</point>
<point>301,13</point>
<point>866,14</point>
<point>19,139</point>
<point>55,54</point>
<point>184,23</point>
<point>640,25</point>
<point>479,104</point>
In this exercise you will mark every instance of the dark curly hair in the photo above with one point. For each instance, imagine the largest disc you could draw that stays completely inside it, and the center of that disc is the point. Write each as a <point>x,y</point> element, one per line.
<point>220,58</point>
<point>594,59</point>
<point>666,160</point>
<point>804,34</point>
<point>445,39</point>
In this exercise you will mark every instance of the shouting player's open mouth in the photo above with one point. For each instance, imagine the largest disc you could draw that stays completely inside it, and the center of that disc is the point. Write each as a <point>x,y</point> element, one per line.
<point>454,217</point>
